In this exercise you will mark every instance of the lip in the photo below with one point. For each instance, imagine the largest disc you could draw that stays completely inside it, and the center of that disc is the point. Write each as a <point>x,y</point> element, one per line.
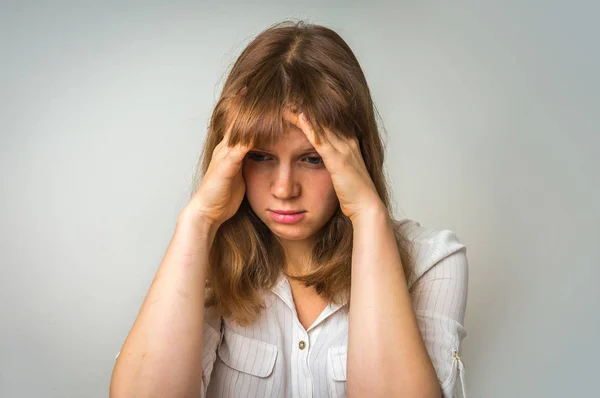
<point>290,218</point>
<point>287,211</point>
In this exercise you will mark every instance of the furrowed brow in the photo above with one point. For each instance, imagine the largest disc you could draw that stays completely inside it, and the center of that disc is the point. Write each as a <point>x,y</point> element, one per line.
<point>299,151</point>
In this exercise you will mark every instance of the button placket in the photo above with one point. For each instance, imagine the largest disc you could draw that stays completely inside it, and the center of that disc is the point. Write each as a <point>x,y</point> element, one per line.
<point>303,349</point>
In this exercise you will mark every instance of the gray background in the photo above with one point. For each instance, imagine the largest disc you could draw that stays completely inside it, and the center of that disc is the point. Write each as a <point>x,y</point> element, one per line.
<point>491,111</point>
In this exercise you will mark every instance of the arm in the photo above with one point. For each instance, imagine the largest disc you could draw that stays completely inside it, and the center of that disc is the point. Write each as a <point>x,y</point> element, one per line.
<point>386,353</point>
<point>162,354</point>
<point>439,295</point>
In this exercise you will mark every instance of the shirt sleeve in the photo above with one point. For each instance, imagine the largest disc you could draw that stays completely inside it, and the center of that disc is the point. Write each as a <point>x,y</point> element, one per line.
<point>439,296</point>
<point>211,338</point>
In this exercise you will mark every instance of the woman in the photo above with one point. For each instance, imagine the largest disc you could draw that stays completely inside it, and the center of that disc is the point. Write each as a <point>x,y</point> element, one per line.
<point>291,208</point>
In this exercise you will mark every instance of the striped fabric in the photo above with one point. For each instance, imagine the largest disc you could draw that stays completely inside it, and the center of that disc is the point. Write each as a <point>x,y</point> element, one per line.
<point>277,357</point>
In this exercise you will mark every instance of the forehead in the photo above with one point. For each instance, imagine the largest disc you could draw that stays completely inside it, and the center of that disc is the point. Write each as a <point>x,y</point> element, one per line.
<point>291,138</point>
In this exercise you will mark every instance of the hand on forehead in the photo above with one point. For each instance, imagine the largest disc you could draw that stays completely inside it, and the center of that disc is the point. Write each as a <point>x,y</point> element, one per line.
<point>291,118</point>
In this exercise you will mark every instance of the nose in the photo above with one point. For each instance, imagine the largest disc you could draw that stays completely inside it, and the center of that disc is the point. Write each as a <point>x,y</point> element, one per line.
<point>284,185</point>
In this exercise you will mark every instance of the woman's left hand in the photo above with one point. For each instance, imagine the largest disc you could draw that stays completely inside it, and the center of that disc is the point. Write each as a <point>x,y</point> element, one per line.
<point>342,157</point>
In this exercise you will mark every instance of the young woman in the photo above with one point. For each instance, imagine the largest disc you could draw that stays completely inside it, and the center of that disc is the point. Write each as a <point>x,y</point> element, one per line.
<point>287,275</point>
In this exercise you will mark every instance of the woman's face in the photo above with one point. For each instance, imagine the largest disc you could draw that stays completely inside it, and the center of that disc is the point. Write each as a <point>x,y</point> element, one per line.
<point>290,175</point>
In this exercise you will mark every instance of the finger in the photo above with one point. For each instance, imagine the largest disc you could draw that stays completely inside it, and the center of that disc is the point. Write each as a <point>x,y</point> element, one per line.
<point>308,130</point>
<point>227,134</point>
<point>329,139</point>
<point>343,144</point>
<point>340,144</point>
<point>226,141</point>
<point>225,149</point>
<point>299,120</point>
<point>230,123</point>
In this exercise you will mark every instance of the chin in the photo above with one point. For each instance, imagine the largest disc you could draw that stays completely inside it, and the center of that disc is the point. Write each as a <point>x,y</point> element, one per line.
<point>290,238</point>
<point>290,232</point>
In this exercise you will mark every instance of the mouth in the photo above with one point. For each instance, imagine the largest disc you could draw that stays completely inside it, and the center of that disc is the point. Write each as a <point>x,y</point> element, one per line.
<point>286,216</point>
<point>286,212</point>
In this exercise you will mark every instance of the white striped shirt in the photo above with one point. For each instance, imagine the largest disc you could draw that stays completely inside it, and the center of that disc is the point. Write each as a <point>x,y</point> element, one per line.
<point>277,357</point>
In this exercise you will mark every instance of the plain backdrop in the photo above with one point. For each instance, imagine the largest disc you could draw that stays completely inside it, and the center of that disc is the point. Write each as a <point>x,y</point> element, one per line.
<point>490,113</point>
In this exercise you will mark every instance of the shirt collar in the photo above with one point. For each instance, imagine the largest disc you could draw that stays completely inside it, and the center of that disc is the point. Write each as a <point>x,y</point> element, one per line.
<point>283,290</point>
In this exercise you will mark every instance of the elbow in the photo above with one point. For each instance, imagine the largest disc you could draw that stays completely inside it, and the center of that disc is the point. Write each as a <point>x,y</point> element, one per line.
<point>427,392</point>
<point>418,390</point>
<point>117,387</point>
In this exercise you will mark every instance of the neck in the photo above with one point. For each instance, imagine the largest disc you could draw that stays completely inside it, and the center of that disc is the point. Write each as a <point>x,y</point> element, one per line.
<point>297,257</point>
<point>297,269</point>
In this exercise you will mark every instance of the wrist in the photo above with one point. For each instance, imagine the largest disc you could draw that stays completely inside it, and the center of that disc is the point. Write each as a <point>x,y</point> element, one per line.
<point>377,213</point>
<point>188,219</point>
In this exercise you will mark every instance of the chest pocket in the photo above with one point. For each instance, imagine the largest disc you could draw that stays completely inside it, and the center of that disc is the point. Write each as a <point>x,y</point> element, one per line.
<point>336,371</point>
<point>247,355</point>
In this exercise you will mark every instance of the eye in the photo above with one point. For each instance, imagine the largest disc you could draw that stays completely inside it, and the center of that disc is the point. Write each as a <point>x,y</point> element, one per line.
<point>256,157</point>
<point>316,160</point>
<point>259,157</point>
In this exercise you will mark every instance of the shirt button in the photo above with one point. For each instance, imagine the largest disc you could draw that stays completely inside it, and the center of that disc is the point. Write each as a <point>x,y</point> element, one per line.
<point>301,344</point>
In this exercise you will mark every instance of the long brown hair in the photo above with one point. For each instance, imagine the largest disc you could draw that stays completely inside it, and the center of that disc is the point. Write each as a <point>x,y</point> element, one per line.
<point>294,65</point>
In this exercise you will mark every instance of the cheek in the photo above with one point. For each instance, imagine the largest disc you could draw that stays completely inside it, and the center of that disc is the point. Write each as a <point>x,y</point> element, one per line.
<point>323,189</point>
<point>251,179</point>
<point>250,172</point>
<point>257,184</point>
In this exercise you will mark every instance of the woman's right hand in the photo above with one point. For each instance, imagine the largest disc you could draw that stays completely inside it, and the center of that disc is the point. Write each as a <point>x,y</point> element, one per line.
<point>222,188</point>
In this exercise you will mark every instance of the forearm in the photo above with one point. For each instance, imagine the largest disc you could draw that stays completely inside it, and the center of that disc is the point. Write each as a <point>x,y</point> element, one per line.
<point>386,353</point>
<point>162,354</point>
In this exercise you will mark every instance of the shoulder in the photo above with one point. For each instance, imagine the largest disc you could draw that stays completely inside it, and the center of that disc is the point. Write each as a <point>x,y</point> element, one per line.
<point>429,247</point>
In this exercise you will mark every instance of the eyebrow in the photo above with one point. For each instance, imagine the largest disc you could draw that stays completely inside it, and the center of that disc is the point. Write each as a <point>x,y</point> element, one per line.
<point>302,150</point>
